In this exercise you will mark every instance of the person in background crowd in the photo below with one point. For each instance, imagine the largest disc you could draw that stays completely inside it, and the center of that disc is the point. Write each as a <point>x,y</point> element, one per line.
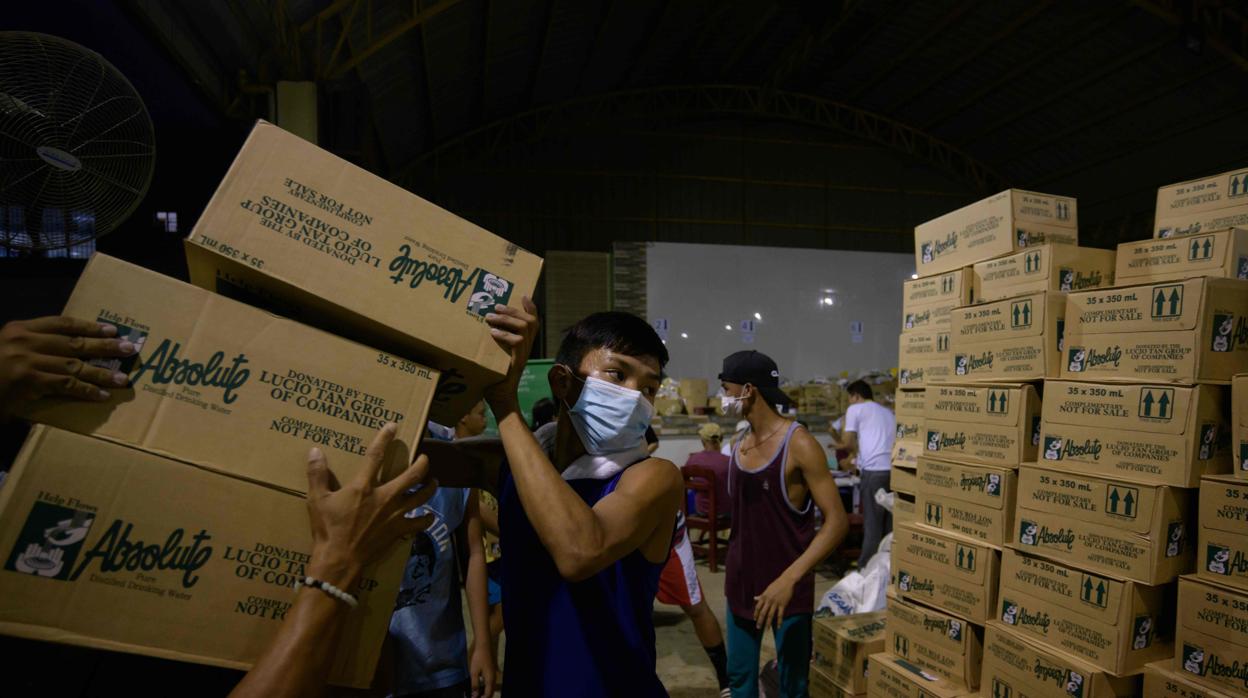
<point>58,356</point>
<point>587,517</point>
<point>543,413</point>
<point>352,525</point>
<point>870,429</point>
<point>431,653</point>
<point>711,458</point>
<point>777,476</point>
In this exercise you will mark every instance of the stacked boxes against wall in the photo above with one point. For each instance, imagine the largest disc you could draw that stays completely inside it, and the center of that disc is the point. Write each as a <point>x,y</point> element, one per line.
<point>199,462</point>
<point>976,427</point>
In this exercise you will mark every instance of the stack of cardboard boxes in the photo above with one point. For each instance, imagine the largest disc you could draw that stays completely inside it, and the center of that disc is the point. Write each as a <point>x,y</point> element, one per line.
<point>842,646</point>
<point>169,520</point>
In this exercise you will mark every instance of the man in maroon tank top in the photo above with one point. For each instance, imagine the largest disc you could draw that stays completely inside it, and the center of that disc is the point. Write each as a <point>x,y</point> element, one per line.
<point>778,473</point>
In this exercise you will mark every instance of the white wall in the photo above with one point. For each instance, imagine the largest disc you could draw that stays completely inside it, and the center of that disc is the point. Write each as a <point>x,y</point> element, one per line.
<point>699,289</point>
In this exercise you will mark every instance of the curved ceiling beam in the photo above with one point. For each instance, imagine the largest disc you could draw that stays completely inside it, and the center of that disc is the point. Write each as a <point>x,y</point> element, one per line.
<point>741,100</point>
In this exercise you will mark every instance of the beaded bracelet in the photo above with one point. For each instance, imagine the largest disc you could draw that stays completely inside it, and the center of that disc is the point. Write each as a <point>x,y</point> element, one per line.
<point>328,589</point>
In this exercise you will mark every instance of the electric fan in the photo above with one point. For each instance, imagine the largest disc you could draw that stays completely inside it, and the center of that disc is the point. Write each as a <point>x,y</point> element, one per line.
<point>76,144</point>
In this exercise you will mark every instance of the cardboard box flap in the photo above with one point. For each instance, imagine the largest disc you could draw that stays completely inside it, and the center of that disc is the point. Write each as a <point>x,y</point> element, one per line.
<point>988,403</point>
<point>1167,409</point>
<point>1144,308</point>
<point>1021,316</point>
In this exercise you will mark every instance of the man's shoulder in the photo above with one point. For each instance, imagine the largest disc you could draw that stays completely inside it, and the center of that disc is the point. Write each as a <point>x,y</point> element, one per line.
<point>653,473</point>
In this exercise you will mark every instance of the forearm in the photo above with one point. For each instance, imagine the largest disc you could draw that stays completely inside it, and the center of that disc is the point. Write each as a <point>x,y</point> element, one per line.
<point>566,526</point>
<point>824,542</point>
<point>478,597</point>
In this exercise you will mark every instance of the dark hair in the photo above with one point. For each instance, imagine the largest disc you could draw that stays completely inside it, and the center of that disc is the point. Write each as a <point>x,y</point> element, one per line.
<point>543,412</point>
<point>861,389</point>
<point>623,333</point>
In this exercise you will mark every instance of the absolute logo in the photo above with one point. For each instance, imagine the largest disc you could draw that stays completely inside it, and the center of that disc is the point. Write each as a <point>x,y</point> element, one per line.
<point>1219,559</point>
<point>1058,448</point>
<point>911,375</point>
<point>1071,682</point>
<point>989,484</point>
<point>1201,662</point>
<point>1073,280</point>
<point>1208,441</point>
<point>907,430</point>
<point>1082,359</point>
<point>966,363</point>
<point>908,582</point>
<point>1016,615</point>
<point>115,551</point>
<point>931,250</point>
<point>938,440</point>
<point>914,320</point>
<point>1030,533</point>
<point>166,367</point>
<point>488,289</point>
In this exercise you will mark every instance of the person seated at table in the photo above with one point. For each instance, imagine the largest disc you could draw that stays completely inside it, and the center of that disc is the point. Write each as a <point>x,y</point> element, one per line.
<point>713,459</point>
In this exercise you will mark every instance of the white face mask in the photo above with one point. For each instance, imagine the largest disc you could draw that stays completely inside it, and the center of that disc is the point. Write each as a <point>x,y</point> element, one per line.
<point>610,418</point>
<point>732,406</point>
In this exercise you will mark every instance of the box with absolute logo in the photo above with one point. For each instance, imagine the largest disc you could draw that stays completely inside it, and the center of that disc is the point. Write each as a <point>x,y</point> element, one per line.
<point>1193,331</point>
<point>927,301</point>
<point>1049,526</point>
<point>112,547</point>
<point>904,508</point>
<point>1201,223</point>
<point>1016,339</point>
<point>998,225</point>
<point>976,501</point>
<point>1223,253</point>
<point>993,424</point>
<point>1211,637</point>
<point>1162,681</point>
<point>1239,425</point>
<point>908,441</point>
<point>923,358</point>
<point>234,389</point>
<point>1220,191</point>
<point>1114,625</point>
<point>299,231</point>
<point>822,686</point>
<point>842,645</point>
<point>904,479</point>
<point>949,572</point>
<point>1043,268</point>
<point>1222,545</point>
<point>894,677</point>
<point>1154,433</point>
<point>1016,666</point>
<point>938,642</point>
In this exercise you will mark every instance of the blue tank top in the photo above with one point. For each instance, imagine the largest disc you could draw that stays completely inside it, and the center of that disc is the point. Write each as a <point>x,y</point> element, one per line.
<point>589,638</point>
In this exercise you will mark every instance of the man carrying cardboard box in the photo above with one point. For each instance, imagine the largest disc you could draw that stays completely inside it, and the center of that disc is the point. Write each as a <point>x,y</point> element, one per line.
<point>52,356</point>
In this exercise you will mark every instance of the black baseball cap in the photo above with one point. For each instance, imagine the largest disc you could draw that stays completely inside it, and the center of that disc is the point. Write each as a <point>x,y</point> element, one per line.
<point>757,369</point>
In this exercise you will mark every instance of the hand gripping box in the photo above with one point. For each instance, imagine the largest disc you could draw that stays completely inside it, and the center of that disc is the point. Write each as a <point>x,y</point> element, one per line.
<point>842,645</point>
<point>992,424</point>
<point>1193,331</point>
<point>1001,224</point>
<point>112,547</point>
<point>310,236</point>
<point>1117,626</point>
<point>942,644</point>
<point>1211,637</point>
<point>949,572</point>
<point>1222,543</point>
<point>894,677</point>
<point>927,301</point>
<point>234,389</point>
<point>1126,530</point>
<point>1239,425</point>
<point>1155,433</point>
<point>1162,681</point>
<point>976,501</point>
<point>1012,340</point>
<point>923,358</point>
<point>1016,666</point>
<point>1222,253</point>
<point>1043,268</point>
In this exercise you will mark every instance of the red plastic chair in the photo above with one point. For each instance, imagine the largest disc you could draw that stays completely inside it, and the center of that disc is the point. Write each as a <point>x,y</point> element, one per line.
<point>703,480</point>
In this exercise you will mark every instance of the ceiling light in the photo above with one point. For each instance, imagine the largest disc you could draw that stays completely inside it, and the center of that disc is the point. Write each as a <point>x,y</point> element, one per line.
<point>758,316</point>
<point>684,335</point>
<point>914,276</point>
<point>728,327</point>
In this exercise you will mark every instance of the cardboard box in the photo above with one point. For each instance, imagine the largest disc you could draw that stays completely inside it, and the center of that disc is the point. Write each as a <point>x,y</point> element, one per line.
<point>112,547</point>
<point>927,301</point>
<point>1220,191</point>
<point>911,403</point>
<point>1050,530</point>
<point>310,236</point>
<point>976,501</point>
<point>1192,331</point>
<point>1222,253</point>
<point>1152,433</point>
<point>234,389</point>
<point>1211,637</point>
<point>893,677</point>
<point>1199,223</point>
<point>903,508</point>
<point>1019,667</point>
<point>993,424</point>
<point>693,392</point>
<point>942,644</point>
<point>1222,547</point>
<point>1239,422</point>
<point>949,572</point>
<point>821,685</point>
<point>1141,509</point>
<point>1013,340</point>
<point>998,225</point>
<point>1162,681</point>
<point>1114,625</point>
<point>923,358</point>
<point>902,479</point>
<point>906,453</point>
<point>1062,268</point>
<point>842,645</point>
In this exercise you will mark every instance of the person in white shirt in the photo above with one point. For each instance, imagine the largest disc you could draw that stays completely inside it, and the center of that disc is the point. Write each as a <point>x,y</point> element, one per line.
<point>869,432</point>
